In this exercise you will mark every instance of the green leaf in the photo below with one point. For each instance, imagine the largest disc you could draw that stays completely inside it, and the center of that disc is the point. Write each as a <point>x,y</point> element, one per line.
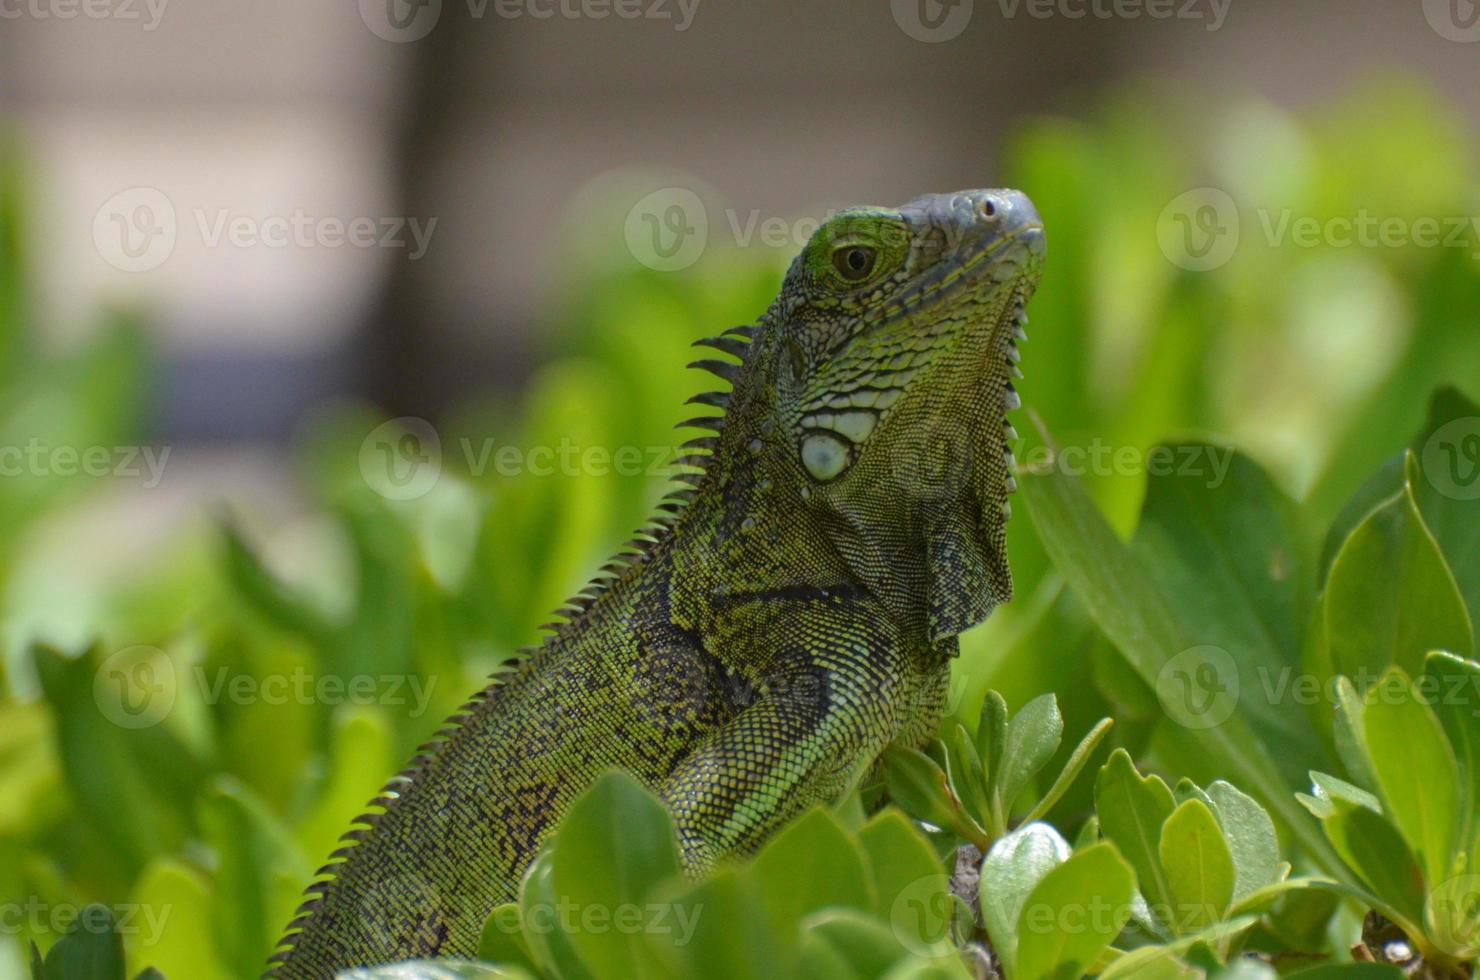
<point>870,948</point>
<point>820,959</point>
<point>1415,770</point>
<point>968,779</point>
<point>1009,873</point>
<point>1351,742</point>
<point>1075,764</point>
<point>1073,914</point>
<point>502,940</point>
<point>1331,787</point>
<point>1198,866</point>
<point>1456,691</point>
<point>720,930</point>
<point>1033,736</point>
<point>1350,971</point>
<point>266,593</point>
<point>1452,918</point>
<point>1227,548</point>
<point>1447,487</point>
<point>1376,851</point>
<point>1251,838</point>
<point>991,737</point>
<point>1139,620</point>
<point>549,944</point>
<point>811,864</point>
<point>1261,899</point>
<point>944,967</point>
<point>1141,961</point>
<point>1132,810</point>
<point>260,874</point>
<point>173,904</point>
<point>1390,598</point>
<point>91,949</point>
<point>614,846</point>
<point>361,754</point>
<point>911,888</point>
<point>436,970</point>
<point>921,788</point>
<point>132,778</point>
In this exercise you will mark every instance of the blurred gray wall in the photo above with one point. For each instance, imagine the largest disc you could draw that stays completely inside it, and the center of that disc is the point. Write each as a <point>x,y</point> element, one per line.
<point>490,119</point>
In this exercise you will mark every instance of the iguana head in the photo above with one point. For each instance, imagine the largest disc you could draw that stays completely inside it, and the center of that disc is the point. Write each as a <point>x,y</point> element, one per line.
<point>893,349</point>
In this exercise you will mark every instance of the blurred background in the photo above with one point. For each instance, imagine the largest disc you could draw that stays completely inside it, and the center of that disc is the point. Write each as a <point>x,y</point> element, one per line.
<point>278,281</point>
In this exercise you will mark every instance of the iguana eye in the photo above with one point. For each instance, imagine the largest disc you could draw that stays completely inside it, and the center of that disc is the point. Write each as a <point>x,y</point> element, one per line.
<point>854,262</point>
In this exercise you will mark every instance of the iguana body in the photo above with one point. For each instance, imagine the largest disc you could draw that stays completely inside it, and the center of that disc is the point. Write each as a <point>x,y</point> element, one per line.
<point>795,610</point>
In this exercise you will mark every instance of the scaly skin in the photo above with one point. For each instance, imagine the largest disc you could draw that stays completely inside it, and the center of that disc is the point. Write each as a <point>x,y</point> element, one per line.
<point>794,610</point>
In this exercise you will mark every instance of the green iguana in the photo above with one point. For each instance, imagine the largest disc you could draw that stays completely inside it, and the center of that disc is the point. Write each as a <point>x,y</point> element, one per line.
<point>792,611</point>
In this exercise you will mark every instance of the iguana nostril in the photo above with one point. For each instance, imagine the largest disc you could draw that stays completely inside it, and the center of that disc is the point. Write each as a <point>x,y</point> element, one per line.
<point>988,208</point>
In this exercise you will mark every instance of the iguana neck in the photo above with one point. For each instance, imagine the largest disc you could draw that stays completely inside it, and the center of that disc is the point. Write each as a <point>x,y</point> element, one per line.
<point>757,528</point>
